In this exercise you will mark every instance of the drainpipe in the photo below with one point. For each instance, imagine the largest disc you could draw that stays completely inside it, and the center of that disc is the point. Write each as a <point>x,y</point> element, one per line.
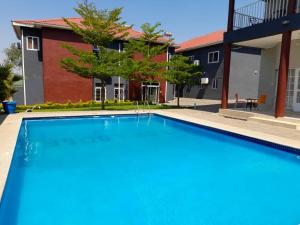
<point>23,68</point>
<point>119,79</point>
<point>166,88</point>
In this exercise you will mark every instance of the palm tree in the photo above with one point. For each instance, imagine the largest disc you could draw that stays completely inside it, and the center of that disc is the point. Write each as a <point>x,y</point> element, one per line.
<point>7,81</point>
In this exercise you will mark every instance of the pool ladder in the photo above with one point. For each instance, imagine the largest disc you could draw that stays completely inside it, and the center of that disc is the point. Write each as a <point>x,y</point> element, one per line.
<point>138,110</point>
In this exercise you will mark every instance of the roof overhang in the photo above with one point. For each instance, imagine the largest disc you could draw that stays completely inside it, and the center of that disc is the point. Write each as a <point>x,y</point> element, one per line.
<point>17,28</point>
<point>267,42</point>
<point>198,46</point>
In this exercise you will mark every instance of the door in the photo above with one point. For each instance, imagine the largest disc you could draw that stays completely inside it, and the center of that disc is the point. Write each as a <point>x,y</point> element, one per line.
<point>153,93</point>
<point>296,102</point>
<point>98,94</point>
<point>119,94</point>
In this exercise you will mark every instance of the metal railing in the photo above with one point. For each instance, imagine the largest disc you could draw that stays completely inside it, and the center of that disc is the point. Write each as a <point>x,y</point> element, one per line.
<point>261,11</point>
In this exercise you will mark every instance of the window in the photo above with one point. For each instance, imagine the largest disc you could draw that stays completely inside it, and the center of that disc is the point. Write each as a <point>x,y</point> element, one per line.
<point>33,43</point>
<point>216,83</point>
<point>98,92</point>
<point>192,58</point>
<point>213,57</point>
<point>197,62</point>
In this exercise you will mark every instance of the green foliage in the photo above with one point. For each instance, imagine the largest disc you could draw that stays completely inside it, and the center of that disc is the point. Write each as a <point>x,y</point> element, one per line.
<point>98,28</point>
<point>7,80</point>
<point>13,56</point>
<point>181,72</point>
<point>90,105</point>
<point>142,63</point>
<point>88,65</point>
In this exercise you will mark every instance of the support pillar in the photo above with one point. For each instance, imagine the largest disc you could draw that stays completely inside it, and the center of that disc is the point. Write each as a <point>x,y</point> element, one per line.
<point>227,57</point>
<point>225,87</point>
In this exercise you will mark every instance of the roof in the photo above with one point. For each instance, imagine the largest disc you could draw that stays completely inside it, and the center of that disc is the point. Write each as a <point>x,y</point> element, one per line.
<point>59,23</point>
<point>202,41</point>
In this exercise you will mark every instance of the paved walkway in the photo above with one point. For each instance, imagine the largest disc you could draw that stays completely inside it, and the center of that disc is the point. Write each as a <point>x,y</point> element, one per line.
<point>280,132</point>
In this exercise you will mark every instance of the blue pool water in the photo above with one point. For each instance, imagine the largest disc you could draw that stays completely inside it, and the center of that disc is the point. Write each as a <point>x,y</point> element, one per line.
<point>146,171</point>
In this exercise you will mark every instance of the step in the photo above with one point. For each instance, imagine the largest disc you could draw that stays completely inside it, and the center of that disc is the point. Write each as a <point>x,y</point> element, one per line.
<point>235,114</point>
<point>275,122</point>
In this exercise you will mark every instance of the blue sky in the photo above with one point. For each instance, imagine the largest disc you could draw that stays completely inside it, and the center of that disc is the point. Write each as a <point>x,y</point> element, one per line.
<point>184,18</point>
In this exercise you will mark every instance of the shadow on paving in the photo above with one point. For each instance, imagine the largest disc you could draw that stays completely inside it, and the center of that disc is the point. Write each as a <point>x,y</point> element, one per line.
<point>211,108</point>
<point>2,117</point>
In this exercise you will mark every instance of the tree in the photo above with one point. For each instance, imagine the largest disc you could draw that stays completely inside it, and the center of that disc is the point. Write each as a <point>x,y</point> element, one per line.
<point>13,56</point>
<point>142,64</point>
<point>98,28</point>
<point>7,80</point>
<point>181,72</point>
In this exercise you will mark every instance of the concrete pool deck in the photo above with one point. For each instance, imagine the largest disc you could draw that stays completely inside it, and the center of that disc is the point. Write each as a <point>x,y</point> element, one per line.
<point>10,125</point>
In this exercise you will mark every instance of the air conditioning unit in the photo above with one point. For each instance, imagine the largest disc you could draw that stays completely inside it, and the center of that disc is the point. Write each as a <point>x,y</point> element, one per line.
<point>205,80</point>
<point>197,62</point>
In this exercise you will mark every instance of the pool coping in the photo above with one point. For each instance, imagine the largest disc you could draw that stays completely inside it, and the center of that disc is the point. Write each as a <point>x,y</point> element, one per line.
<point>10,128</point>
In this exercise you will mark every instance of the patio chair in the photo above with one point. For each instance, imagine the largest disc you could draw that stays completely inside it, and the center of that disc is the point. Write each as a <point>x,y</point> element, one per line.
<point>238,101</point>
<point>260,101</point>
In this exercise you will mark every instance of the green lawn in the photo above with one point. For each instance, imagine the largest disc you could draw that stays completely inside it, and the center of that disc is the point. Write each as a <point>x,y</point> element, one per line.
<point>95,108</point>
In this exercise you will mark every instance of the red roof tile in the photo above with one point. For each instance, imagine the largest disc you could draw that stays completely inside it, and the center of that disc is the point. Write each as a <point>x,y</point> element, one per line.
<point>60,23</point>
<point>205,40</point>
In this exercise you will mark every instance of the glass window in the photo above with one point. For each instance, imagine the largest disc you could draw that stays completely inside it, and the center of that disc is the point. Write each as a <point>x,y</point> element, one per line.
<point>116,93</point>
<point>213,57</point>
<point>216,83</point>
<point>33,43</point>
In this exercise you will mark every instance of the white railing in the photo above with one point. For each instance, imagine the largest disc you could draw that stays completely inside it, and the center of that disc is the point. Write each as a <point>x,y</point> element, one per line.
<point>259,12</point>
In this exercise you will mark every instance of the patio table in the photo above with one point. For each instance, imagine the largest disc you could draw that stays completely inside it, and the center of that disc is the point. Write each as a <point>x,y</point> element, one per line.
<point>251,103</point>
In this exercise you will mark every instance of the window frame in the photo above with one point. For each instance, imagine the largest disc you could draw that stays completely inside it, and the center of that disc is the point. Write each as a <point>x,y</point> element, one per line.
<point>122,97</point>
<point>32,42</point>
<point>216,83</point>
<point>95,94</point>
<point>217,61</point>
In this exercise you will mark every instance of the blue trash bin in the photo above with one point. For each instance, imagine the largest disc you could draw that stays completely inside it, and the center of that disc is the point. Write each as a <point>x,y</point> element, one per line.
<point>9,107</point>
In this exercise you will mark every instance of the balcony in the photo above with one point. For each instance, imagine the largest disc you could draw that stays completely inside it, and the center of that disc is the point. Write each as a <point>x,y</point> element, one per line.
<point>262,11</point>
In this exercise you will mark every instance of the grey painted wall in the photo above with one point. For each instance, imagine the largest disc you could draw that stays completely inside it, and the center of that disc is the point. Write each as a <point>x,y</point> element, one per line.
<point>33,64</point>
<point>110,86</point>
<point>244,75</point>
<point>243,79</point>
<point>170,92</point>
<point>19,95</point>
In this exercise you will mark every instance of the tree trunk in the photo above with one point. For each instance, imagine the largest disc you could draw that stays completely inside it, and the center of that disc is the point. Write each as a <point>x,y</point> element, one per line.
<point>102,94</point>
<point>178,95</point>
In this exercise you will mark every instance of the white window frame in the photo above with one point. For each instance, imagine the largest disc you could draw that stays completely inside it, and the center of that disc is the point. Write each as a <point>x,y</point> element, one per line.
<point>191,58</point>
<point>197,62</point>
<point>38,43</point>
<point>217,61</point>
<point>99,88</point>
<point>215,83</point>
<point>122,98</point>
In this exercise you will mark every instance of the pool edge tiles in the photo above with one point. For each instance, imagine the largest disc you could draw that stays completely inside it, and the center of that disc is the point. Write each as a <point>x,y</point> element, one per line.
<point>10,128</point>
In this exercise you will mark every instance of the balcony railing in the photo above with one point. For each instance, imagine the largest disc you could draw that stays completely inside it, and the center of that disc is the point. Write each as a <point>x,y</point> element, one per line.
<point>260,12</point>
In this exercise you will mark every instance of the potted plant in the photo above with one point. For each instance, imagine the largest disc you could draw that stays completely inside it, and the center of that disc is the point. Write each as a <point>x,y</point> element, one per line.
<point>7,89</point>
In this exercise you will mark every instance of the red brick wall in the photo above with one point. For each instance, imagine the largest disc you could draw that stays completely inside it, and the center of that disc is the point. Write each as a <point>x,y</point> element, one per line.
<point>59,85</point>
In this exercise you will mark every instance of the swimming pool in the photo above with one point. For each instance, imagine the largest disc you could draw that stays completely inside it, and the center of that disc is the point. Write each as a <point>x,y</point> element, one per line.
<point>146,170</point>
